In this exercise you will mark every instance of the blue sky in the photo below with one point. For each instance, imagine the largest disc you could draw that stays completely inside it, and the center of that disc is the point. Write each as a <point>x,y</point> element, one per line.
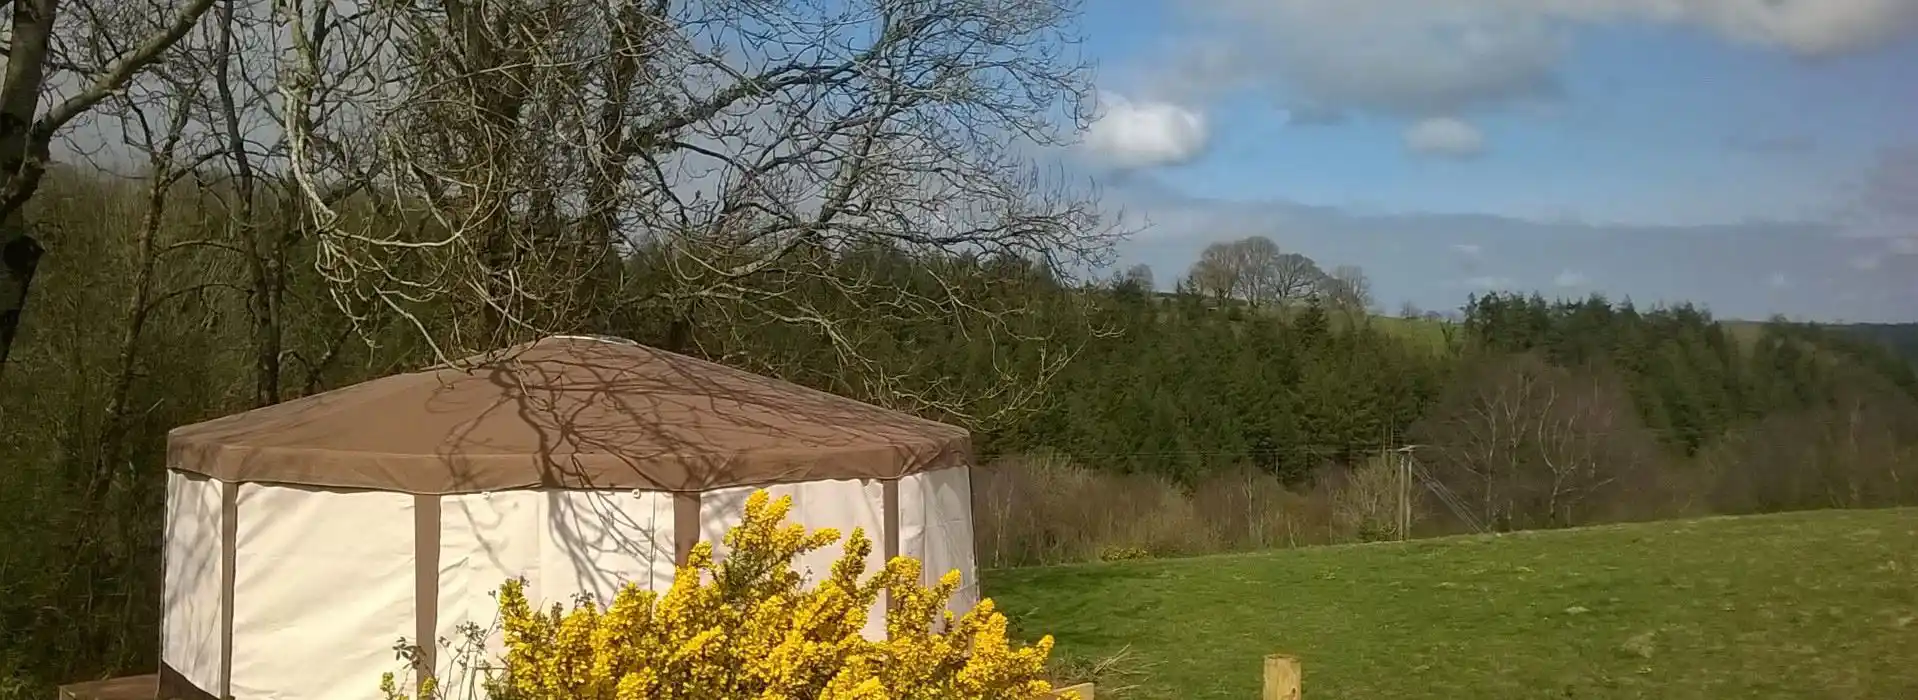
<point>1756,156</point>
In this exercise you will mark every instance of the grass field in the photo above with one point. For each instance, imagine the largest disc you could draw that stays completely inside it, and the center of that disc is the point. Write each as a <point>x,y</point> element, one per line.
<point>1423,334</point>
<point>1809,605</point>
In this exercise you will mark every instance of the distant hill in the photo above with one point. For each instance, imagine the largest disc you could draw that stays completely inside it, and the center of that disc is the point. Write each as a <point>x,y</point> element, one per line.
<point>1429,331</point>
<point>1901,337</point>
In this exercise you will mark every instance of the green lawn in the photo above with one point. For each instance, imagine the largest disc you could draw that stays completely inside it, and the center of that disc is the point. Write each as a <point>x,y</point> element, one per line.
<point>1811,605</point>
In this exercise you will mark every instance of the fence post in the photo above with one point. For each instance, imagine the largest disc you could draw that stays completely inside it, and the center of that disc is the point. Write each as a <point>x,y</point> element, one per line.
<point>1283,678</point>
<point>1405,492</point>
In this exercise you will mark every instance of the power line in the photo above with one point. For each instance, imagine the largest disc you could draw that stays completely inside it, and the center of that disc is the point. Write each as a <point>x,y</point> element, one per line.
<point>1447,496</point>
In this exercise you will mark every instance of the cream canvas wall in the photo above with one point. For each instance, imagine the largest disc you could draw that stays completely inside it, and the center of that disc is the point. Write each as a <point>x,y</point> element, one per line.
<point>190,638</point>
<point>935,527</point>
<point>324,581</point>
<point>323,587</point>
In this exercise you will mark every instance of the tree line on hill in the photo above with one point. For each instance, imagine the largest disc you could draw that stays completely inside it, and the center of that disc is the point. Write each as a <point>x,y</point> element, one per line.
<point>1206,426</point>
<point>1901,338</point>
<point>1582,396</point>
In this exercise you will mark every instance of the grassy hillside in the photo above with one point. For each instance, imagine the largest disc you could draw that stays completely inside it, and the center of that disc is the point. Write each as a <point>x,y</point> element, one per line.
<point>1900,337</point>
<point>1811,605</point>
<point>1424,333</point>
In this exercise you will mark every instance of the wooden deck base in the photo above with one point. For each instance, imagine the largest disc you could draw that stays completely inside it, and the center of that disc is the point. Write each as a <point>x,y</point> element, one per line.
<point>128,688</point>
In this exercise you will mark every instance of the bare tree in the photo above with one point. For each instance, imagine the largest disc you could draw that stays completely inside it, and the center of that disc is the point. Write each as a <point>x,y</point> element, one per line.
<point>268,222</point>
<point>1853,451</point>
<point>725,158</point>
<point>1347,288</point>
<point>1257,258</point>
<point>230,55</point>
<point>88,54</point>
<point>219,80</point>
<point>154,120</point>
<point>1140,275</point>
<point>1294,278</point>
<point>1536,445</point>
<point>1219,273</point>
<point>1256,270</point>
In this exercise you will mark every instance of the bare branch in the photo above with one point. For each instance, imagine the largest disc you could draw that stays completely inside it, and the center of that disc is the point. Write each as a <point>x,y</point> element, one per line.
<point>120,71</point>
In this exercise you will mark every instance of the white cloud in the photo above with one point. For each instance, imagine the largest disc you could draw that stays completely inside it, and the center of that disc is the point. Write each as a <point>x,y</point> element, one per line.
<point>1866,262</point>
<point>1430,57</point>
<point>1469,249</point>
<point>1133,135</point>
<point>1805,27</point>
<point>1571,278</point>
<point>1445,137</point>
<point>1778,280</point>
<point>1907,245</point>
<point>1490,283</point>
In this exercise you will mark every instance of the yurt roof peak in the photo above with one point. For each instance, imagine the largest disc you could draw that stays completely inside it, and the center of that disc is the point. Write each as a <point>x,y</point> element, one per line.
<point>567,412</point>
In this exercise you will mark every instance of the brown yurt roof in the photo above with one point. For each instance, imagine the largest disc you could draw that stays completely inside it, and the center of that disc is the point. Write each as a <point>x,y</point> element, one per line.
<point>567,412</point>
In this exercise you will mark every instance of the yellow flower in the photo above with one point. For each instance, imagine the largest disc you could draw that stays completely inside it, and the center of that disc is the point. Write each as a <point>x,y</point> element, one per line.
<point>747,628</point>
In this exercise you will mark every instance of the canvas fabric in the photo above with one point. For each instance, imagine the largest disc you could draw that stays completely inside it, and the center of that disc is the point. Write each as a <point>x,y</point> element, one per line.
<point>299,593</point>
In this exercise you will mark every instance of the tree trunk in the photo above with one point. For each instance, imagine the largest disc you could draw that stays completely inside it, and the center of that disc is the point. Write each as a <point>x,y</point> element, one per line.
<point>22,159</point>
<point>20,258</point>
<point>262,263</point>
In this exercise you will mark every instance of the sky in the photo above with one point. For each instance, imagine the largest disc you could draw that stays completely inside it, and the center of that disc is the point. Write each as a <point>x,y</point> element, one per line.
<point>1757,157</point>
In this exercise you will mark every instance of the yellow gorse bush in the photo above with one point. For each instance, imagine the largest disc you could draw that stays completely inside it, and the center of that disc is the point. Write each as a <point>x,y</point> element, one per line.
<point>746,628</point>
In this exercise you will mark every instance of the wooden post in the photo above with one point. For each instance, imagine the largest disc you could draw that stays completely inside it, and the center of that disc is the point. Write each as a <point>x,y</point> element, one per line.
<point>1283,678</point>
<point>1404,495</point>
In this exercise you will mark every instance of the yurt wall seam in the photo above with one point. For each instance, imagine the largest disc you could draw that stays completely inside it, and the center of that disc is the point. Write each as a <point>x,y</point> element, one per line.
<point>889,512</point>
<point>426,582</point>
<point>685,526</point>
<point>229,568</point>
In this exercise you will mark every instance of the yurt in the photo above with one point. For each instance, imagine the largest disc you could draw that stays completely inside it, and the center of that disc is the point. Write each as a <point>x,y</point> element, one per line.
<point>305,539</point>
